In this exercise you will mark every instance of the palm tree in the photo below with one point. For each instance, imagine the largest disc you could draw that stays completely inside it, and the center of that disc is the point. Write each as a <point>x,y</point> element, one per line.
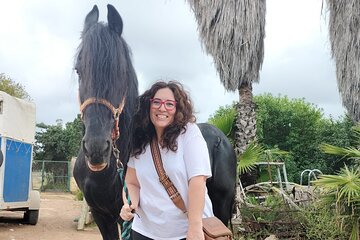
<point>232,32</point>
<point>343,189</point>
<point>344,32</point>
<point>343,192</point>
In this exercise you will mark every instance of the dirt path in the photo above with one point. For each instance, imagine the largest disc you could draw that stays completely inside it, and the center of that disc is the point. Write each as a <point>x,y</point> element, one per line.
<point>56,221</point>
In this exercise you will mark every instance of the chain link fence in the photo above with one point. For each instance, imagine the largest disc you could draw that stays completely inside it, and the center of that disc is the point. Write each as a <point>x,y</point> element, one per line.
<point>50,175</point>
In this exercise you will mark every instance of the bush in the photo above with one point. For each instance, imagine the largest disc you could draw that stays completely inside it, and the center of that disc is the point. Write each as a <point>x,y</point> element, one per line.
<point>322,223</point>
<point>79,196</point>
<point>265,212</point>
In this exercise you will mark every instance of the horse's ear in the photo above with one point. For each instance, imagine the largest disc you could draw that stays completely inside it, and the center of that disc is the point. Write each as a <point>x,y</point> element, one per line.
<point>114,20</point>
<point>91,18</point>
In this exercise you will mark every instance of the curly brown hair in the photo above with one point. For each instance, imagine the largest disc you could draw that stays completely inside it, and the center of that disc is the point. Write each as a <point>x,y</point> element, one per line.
<point>144,129</point>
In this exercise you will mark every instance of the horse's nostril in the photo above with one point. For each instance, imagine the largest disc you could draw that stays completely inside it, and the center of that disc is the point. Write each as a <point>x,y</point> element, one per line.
<point>108,145</point>
<point>83,144</point>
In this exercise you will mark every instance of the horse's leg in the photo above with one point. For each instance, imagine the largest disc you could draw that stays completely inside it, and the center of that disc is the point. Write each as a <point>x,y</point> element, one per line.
<point>107,225</point>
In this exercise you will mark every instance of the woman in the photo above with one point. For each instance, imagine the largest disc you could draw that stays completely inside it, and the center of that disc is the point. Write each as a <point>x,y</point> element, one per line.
<point>165,111</point>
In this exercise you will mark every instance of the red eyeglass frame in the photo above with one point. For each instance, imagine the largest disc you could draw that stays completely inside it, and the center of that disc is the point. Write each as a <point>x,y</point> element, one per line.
<point>162,102</point>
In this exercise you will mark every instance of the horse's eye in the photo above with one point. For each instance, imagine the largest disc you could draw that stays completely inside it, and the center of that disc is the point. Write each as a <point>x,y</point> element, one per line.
<point>78,73</point>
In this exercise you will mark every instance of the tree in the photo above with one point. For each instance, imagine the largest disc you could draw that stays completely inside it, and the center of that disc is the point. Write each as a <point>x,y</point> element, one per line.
<point>343,192</point>
<point>50,143</point>
<point>53,142</point>
<point>74,132</point>
<point>12,88</point>
<point>233,34</point>
<point>343,189</point>
<point>57,145</point>
<point>297,127</point>
<point>344,32</point>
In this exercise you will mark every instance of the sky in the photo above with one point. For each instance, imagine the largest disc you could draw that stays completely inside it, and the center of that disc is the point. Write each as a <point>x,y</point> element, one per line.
<point>39,39</point>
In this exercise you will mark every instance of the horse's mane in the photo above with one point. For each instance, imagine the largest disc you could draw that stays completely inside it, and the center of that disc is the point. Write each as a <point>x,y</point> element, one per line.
<point>104,54</point>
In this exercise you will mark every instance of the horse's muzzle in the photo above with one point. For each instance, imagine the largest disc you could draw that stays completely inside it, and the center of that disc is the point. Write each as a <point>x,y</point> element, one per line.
<point>96,155</point>
<point>97,167</point>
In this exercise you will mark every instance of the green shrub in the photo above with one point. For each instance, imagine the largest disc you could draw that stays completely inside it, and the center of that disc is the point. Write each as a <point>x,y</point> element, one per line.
<point>262,217</point>
<point>322,223</point>
<point>79,195</point>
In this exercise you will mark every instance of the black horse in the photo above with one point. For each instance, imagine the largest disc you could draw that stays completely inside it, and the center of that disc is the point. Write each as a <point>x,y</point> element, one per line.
<point>221,186</point>
<point>107,93</point>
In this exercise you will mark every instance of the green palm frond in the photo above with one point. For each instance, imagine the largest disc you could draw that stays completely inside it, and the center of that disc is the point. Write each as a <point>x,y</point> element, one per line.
<point>346,184</point>
<point>346,152</point>
<point>225,122</point>
<point>247,161</point>
<point>274,153</point>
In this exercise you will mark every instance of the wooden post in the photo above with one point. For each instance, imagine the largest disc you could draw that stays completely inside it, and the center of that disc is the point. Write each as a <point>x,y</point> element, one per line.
<point>83,215</point>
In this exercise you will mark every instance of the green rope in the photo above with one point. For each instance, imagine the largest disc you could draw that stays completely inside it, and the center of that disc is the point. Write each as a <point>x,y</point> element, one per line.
<point>126,226</point>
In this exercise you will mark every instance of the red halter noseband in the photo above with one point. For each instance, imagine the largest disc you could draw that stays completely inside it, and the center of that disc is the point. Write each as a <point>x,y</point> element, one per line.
<point>115,111</point>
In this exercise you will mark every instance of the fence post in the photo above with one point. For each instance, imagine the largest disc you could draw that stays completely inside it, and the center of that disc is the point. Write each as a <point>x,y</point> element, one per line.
<point>68,175</point>
<point>42,176</point>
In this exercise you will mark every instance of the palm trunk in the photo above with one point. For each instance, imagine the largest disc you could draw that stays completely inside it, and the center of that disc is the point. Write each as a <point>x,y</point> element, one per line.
<point>246,119</point>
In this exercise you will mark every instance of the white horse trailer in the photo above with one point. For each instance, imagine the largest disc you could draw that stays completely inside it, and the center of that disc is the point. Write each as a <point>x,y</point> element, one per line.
<point>17,136</point>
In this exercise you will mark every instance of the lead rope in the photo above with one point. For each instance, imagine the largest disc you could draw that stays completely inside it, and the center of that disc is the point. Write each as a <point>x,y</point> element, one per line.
<point>126,226</point>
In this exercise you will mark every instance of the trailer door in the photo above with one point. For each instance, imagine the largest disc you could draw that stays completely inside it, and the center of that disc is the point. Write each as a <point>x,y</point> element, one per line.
<point>17,171</point>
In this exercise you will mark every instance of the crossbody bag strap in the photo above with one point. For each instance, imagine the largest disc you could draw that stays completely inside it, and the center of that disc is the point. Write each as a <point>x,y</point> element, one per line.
<point>164,178</point>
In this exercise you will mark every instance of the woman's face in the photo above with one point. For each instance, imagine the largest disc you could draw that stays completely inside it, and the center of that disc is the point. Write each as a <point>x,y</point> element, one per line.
<point>162,109</point>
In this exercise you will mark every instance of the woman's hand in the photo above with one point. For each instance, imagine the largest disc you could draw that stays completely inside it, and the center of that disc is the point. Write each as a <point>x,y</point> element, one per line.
<point>126,212</point>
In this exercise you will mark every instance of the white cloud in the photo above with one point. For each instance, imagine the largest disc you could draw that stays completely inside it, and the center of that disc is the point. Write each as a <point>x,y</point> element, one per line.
<point>38,40</point>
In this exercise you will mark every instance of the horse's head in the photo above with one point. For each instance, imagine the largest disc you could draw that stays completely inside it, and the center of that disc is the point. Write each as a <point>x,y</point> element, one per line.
<point>107,88</point>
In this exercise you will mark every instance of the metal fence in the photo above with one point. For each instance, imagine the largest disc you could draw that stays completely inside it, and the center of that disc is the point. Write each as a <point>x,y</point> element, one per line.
<point>50,175</point>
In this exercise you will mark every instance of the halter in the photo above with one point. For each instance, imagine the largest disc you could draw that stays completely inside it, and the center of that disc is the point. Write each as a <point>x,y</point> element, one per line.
<point>115,111</point>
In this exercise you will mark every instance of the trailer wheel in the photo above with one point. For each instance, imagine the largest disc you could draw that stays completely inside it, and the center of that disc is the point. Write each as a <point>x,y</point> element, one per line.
<point>31,217</point>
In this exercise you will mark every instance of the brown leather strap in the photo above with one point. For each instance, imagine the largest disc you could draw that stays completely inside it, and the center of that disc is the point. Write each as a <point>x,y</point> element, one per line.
<point>115,111</point>
<point>164,178</point>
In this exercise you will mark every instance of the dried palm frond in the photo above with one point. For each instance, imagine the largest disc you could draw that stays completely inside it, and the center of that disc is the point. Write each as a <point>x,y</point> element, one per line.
<point>344,32</point>
<point>232,32</point>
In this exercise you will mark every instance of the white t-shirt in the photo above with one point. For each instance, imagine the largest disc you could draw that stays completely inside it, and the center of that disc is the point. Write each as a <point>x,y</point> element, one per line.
<point>159,218</point>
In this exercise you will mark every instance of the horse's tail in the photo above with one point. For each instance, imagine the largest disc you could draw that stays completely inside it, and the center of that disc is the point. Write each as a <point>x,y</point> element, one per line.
<point>232,210</point>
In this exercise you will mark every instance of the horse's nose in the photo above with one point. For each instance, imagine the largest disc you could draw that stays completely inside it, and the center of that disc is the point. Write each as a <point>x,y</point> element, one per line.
<point>96,149</point>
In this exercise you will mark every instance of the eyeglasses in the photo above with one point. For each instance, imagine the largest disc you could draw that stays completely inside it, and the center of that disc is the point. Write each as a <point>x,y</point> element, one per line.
<point>168,104</point>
